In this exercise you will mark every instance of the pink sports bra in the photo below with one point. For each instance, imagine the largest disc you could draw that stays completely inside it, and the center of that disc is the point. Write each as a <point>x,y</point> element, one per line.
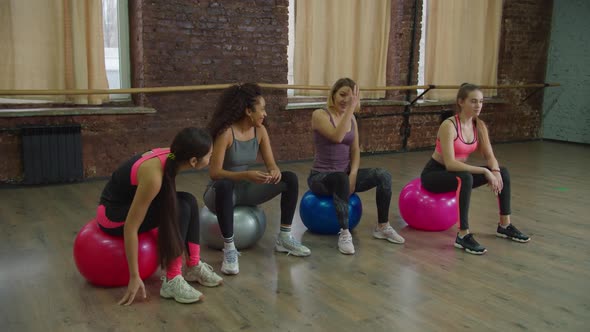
<point>462,148</point>
<point>161,154</point>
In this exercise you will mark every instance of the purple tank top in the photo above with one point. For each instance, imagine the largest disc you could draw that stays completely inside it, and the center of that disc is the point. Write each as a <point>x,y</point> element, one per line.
<point>330,156</point>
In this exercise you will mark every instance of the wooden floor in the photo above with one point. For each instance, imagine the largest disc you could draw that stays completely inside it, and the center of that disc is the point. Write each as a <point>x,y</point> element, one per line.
<point>424,285</point>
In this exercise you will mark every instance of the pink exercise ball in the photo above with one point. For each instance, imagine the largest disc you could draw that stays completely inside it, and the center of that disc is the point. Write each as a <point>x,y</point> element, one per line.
<point>425,210</point>
<point>101,258</point>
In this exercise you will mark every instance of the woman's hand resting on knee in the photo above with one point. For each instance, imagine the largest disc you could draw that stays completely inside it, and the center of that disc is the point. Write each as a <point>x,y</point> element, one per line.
<point>493,182</point>
<point>275,175</point>
<point>258,177</point>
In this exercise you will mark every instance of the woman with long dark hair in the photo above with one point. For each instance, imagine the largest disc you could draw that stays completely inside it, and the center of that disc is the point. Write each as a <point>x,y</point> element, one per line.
<point>447,170</point>
<point>141,195</point>
<point>239,134</point>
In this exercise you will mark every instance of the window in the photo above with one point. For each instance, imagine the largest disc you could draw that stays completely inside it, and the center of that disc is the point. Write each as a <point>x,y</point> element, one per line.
<point>460,44</point>
<point>45,46</point>
<point>422,47</point>
<point>329,39</point>
<point>116,45</point>
<point>291,46</point>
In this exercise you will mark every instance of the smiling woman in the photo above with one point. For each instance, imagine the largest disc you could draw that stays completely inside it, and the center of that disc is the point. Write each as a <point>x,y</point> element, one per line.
<point>239,133</point>
<point>335,170</point>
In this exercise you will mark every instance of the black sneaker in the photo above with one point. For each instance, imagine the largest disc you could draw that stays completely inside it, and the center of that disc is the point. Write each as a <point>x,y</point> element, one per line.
<point>469,244</point>
<point>512,233</point>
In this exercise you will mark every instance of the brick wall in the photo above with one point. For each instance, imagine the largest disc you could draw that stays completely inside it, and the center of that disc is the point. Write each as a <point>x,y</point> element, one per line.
<point>403,26</point>
<point>186,42</point>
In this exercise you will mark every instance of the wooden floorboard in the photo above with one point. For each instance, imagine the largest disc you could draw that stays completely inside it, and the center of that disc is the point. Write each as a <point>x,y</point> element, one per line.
<point>423,285</point>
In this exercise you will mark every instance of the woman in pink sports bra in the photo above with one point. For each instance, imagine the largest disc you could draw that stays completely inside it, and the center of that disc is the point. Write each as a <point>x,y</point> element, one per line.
<point>141,195</point>
<point>446,171</point>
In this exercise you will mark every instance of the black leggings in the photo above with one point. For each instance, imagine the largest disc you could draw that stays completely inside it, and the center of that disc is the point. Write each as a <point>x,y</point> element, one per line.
<point>337,185</point>
<point>435,178</point>
<point>224,194</point>
<point>188,218</point>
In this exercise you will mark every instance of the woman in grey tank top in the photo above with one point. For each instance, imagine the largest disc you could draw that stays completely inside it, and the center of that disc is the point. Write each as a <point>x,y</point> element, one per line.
<point>239,134</point>
<point>335,170</point>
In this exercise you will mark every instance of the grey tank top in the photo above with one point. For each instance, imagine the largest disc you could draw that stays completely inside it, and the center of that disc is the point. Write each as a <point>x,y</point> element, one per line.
<point>241,154</point>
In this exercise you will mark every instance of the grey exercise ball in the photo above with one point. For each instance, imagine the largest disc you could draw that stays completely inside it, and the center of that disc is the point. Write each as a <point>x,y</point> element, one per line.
<point>249,226</point>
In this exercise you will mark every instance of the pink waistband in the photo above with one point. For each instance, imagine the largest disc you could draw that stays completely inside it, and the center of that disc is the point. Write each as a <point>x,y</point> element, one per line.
<point>101,218</point>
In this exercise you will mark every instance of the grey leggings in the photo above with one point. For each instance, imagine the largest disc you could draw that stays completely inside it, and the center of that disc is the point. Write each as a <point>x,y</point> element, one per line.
<point>222,195</point>
<point>336,184</point>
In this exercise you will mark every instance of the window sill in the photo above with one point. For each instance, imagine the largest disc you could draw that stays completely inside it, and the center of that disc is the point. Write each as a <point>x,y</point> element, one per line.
<point>69,111</point>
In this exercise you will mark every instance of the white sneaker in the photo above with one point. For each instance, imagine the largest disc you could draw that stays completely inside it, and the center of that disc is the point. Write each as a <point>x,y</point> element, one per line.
<point>345,243</point>
<point>287,243</point>
<point>230,263</point>
<point>180,290</point>
<point>388,233</point>
<point>203,274</point>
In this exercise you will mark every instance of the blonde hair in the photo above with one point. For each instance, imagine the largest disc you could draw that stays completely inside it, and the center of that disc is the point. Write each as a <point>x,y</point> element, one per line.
<point>339,84</point>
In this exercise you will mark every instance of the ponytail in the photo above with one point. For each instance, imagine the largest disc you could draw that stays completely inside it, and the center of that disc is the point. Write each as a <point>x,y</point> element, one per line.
<point>188,143</point>
<point>170,245</point>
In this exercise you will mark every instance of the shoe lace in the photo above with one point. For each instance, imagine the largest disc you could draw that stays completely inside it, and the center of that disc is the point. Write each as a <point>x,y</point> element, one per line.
<point>178,284</point>
<point>290,241</point>
<point>231,256</point>
<point>206,269</point>
<point>512,229</point>
<point>182,286</point>
<point>291,244</point>
<point>345,238</point>
<point>471,240</point>
<point>388,230</point>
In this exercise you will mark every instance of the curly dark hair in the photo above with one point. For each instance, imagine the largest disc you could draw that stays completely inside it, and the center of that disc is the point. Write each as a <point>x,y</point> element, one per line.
<point>231,106</point>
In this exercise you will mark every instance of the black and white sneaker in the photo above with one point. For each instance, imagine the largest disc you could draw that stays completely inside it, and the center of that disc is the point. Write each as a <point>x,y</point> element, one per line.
<point>469,244</point>
<point>512,233</point>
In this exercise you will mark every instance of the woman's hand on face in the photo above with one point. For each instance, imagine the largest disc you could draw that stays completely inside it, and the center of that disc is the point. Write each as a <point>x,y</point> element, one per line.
<point>258,177</point>
<point>135,284</point>
<point>275,175</point>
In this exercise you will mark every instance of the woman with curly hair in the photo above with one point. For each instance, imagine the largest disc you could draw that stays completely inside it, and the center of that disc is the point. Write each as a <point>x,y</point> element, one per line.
<point>239,134</point>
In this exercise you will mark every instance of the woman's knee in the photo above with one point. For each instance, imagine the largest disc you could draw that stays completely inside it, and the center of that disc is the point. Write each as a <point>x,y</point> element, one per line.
<point>223,187</point>
<point>289,178</point>
<point>466,179</point>
<point>505,174</point>
<point>338,180</point>
<point>186,197</point>
<point>187,208</point>
<point>384,177</point>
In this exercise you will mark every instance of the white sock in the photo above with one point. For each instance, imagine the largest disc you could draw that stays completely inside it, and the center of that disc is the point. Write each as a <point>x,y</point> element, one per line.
<point>229,245</point>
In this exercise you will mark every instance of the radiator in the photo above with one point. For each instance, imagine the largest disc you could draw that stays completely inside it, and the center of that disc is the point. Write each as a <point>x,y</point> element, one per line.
<point>52,154</point>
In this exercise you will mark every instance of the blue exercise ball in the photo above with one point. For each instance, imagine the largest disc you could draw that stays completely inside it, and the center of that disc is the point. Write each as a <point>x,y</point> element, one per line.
<point>319,215</point>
